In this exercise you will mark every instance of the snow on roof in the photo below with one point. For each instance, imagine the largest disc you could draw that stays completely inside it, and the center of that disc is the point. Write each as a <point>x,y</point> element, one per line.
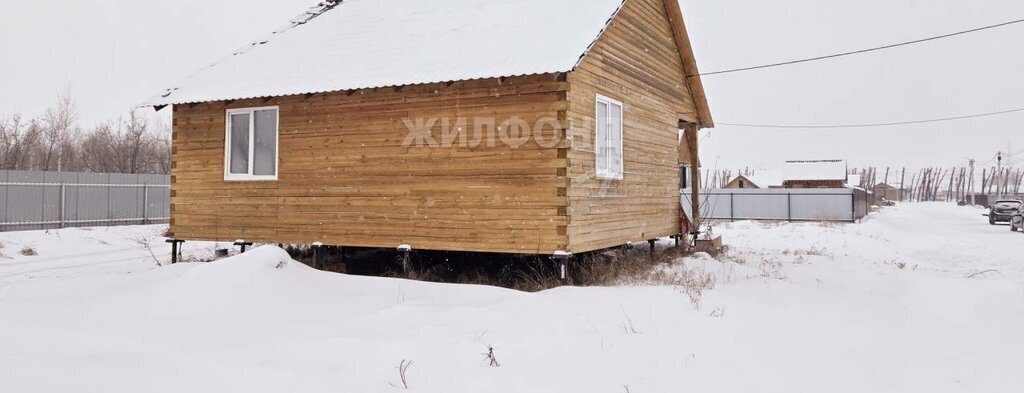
<point>764,178</point>
<point>356,44</point>
<point>886,185</point>
<point>853,180</point>
<point>815,170</point>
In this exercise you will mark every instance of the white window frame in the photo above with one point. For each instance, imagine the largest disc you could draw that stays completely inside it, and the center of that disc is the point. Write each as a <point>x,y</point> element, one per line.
<point>598,140</point>
<point>228,176</point>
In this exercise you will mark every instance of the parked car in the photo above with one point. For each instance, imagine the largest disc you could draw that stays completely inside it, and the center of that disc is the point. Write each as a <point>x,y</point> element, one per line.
<point>1003,211</point>
<point>1017,221</point>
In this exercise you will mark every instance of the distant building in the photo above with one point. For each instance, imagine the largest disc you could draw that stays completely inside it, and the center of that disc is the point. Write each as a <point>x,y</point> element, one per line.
<point>761,179</point>
<point>815,174</point>
<point>888,192</point>
<point>741,181</point>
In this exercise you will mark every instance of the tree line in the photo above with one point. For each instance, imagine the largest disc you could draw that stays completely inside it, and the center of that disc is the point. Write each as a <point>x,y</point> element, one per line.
<point>55,141</point>
<point>956,184</point>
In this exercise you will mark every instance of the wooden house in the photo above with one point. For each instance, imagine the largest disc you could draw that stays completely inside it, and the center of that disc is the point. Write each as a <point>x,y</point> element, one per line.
<point>522,126</point>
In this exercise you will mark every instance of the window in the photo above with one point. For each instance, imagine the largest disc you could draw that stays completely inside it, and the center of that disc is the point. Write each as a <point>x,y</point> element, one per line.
<point>608,143</point>
<point>684,173</point>
<point>742,184</point>
<point>250,151</point>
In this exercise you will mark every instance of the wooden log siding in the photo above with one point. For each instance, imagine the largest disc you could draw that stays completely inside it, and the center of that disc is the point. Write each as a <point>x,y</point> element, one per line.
<point>635,61</point>
<point>345,177</point>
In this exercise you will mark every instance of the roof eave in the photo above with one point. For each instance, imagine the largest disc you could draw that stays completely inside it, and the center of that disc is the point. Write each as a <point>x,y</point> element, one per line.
<point>693,81</point>
<point>164,100</point>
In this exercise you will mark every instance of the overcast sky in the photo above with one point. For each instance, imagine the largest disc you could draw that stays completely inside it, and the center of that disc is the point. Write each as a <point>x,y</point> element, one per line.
<point>116,53</point>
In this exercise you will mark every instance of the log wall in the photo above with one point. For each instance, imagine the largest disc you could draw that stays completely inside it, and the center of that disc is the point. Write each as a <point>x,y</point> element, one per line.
<point>345,177</point>
<point>636,61</point>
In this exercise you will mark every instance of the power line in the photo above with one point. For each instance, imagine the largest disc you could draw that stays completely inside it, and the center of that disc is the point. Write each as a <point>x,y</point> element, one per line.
<point>857,52</point>
<point>994,156</point>
<point>898,123</point>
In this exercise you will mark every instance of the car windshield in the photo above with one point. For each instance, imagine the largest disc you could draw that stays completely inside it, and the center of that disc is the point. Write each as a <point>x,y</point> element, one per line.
<point>1007,204</point>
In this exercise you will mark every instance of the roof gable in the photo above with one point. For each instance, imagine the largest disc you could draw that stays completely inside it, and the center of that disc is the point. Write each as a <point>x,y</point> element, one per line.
<point>693,81</point>
<point>356,44</point>
<point>761,178</point>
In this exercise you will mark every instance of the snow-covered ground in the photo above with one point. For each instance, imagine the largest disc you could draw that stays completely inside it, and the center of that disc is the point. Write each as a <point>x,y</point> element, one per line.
<point>920,297</point>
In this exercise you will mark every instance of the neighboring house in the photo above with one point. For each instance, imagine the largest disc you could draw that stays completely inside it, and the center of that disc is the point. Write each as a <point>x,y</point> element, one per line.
<point>742,181</point>
<point>887,192</point>
<point>815,174</point>
<point>758,180</point>
<point>531,126</point>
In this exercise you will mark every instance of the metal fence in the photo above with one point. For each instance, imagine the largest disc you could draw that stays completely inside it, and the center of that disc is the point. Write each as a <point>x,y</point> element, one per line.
<point>44,200</point>
<point>783,204</point>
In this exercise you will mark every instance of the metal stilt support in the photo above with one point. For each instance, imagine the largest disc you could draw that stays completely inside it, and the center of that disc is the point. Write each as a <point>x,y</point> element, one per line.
<point>404,250</point>
<point>651,243</point>
<point>175,249</point>
<point>243,245</point>
<point>562,259</point>
<point>316,254</point>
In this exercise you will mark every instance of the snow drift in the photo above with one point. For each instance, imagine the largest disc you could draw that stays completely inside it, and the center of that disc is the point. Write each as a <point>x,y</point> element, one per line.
<point>885,306</point>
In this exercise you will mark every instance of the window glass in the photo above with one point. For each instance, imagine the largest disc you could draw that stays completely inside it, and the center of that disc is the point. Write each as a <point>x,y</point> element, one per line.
<point>602,138</point>
<point>239,152</point>
<point>608,143</point>
<point>265,143</point>
<point>615,140</point>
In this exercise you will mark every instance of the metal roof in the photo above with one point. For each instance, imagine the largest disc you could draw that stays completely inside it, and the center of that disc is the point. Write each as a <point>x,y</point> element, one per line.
<point>356,44</point>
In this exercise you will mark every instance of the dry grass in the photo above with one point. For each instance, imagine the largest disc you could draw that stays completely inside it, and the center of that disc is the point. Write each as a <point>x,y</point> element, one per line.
<point>621,266</point>
<point>28,251</point>
<point>772,268</point>
<point>625,267</point>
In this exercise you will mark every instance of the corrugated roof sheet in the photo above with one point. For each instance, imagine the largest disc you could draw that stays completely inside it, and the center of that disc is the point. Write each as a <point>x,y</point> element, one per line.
<point>360,44</point>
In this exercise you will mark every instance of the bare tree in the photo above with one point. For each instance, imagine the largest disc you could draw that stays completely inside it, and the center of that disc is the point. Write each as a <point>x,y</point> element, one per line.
<point>126,146</point>
<point>58,125</point>
<point>134,139</point>
<point>97,149</point>
<point>16,140</point>
<point>162,153</point>
<point>54,141</point>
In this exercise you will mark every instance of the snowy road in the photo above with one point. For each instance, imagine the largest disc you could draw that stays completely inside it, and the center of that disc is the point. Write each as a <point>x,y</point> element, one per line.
<point>881,306</point>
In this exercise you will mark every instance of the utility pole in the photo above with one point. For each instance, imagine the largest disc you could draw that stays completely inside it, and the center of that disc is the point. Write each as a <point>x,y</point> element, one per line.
<point>999,173</point>
<point>970,183</point>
